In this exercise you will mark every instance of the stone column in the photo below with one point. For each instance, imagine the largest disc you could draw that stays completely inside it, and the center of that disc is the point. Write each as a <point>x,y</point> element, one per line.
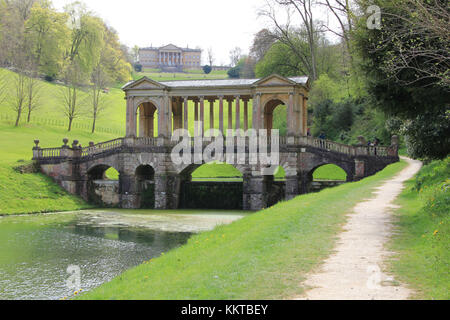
<point>230,114</point>
<point>257,112</point>
<point>202,116</point>
<point>255,192</point>
<point>293,187</point>
<point>291,116</point>
<point>127,192</point>
<point>221,114</point>
<point>186,113</point>
<point>196,128</point>
<point>167,191</point>
<point>131,118</point>
<point>245,114</point>
<point>360,170</point>
<point>238,113</point>
<point>211,113</point>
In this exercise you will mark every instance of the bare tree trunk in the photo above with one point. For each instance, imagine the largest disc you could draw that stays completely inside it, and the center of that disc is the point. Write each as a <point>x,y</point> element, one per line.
<point>19,113</point>
<point>70,124</point>
<point>93,124</point>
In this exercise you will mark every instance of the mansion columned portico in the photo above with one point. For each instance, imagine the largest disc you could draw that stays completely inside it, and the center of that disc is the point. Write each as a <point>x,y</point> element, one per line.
<point>170,58</point>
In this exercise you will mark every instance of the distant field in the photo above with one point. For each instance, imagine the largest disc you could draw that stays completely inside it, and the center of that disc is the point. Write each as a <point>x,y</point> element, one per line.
<point>190,75</point>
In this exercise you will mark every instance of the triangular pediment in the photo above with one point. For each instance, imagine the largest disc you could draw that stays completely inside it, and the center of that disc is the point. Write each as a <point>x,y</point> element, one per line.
<point>143,84</point>
<point>274,80</point>
<point>170,47</point>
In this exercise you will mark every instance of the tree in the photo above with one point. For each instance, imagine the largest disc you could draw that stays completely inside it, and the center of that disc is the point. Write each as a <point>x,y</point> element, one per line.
<point>19,96</point>
<point>207,69</point>
<point>290,36</point>
<point>70,102</point>
<point>428,135</point>
<point>418,42</point>
<point>136,50</point>
<point>281,60</point>
<point>262,42</point>
<point>416,88</point>
<point>210,57</point>
<point>48,36</point>
<point>343,14</point>
<point>98,105</point>
<point>3,86</point>
<point>33,90</point>
<point>235,56</point>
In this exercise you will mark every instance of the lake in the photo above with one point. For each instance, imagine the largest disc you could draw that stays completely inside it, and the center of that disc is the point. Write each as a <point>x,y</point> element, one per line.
<point>36,251</point>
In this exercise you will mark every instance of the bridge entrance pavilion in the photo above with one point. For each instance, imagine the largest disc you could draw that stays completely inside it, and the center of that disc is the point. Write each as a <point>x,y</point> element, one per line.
<point>154,110</point>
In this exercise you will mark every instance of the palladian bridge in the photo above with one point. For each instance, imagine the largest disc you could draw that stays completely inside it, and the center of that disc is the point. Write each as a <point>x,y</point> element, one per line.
<point>154,110</point>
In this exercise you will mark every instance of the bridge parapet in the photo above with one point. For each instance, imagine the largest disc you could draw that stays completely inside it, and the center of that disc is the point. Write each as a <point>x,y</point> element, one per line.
<point>77,151</point>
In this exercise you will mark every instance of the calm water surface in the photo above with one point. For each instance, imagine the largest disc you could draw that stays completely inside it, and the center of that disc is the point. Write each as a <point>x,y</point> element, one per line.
<point>35,251</point>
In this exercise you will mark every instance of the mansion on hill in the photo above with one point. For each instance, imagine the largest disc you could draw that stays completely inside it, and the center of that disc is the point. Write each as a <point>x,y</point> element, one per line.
<point>170,58</point>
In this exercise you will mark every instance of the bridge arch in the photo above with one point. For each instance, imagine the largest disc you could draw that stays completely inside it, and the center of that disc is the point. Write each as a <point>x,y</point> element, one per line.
<point>146,114</point>
<point>145,186</point>
<point>100,189</point>
<point>223,190</point>
<point>268,110</point>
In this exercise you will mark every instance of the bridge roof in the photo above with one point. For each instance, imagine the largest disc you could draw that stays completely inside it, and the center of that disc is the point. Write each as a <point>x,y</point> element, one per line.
<point>221,83</point>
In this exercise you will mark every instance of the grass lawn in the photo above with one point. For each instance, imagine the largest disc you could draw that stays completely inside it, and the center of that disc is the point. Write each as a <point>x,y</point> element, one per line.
<point>263,256</point>
<point>34,193</point>
<point>422,237</point>
<point>190,75</point>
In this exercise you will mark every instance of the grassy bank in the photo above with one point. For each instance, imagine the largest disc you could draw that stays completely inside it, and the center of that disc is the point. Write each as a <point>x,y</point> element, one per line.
<point>33,193</point>
<point>263,256</point>
<point>422,238</point>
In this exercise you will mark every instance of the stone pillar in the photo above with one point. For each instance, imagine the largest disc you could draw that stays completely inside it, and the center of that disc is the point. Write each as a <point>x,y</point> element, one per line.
<point>230,114</point>
<point>167,191</point>
<point>186,113</point>
<point>293,187</point>
<point>202,116</point>
<point>196,128</point>
<point>211,113</point>
<point>221,114</point>
<point>169,117</point>
<point>305,116</point>
<point>238,113</point>
<point>360,170</point>
<point>291,116</point>
<point>255,192</point>
<point>131,118</point>
<point>245,115</point>
<point>127,192</point>
<point>257,112</point>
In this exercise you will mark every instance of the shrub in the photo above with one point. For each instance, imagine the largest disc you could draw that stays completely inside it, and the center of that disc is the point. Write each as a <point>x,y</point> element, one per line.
<point>138,67</point>
<point>207,69</point>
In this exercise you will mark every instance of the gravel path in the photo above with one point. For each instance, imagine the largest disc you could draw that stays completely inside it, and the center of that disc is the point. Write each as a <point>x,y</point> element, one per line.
<point>354,271</point>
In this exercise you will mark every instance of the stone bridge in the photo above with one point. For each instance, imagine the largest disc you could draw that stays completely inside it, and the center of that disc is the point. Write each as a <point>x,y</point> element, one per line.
<point>140,160</point>
<point>156,110</point>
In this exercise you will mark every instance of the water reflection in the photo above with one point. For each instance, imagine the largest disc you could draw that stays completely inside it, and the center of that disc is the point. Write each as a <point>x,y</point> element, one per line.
<point>35,256</point>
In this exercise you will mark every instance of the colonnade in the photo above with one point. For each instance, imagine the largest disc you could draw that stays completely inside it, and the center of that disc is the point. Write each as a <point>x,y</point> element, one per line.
<point>170,58</point>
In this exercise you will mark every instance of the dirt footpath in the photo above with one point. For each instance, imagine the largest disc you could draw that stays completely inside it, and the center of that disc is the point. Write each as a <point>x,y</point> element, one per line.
<point>354,272</point>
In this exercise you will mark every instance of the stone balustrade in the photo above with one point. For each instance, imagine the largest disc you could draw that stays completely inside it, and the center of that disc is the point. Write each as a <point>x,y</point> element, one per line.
<point>145,142</point>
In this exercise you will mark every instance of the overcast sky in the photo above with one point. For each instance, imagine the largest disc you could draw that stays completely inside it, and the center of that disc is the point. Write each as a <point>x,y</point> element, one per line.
<point>220,24</point>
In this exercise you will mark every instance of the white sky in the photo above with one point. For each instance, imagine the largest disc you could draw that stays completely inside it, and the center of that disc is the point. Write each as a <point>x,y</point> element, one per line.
<point>219,24</point>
